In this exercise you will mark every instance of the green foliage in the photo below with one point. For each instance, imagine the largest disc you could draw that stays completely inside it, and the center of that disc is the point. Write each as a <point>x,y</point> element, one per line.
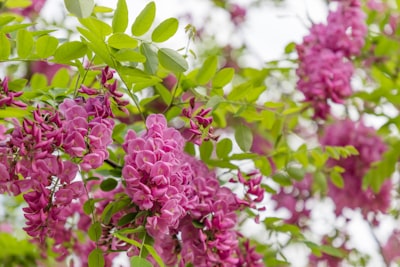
<point>95,231</point>
<point>172,60</point>
<point>80,8</point>
<point>244,137</point>
<point>137,261</point>
<point>69,51</point>
<point>165,30</point>
<point>5,45</point>
<point>382,170</point>
<point>16,252</point>
<point>24,43</point>
<point>207,71</point>
<point>144,20</point>
<point>96,258</point>
<point>120,19</point>
<point>46,46</point>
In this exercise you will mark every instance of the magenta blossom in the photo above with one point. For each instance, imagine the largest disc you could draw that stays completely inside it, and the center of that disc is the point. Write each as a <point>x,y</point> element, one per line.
<point>370,148</point>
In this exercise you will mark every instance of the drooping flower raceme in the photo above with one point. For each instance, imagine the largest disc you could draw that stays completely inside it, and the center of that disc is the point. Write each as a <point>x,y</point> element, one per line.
<point>179,192</point>
<point>325,67</point>
<point>370,148</point>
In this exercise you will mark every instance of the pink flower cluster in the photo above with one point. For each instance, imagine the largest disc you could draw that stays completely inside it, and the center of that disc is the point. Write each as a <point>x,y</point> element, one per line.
<point>7,97</point>
<point>370,148</point>
<point>325,67</point>
<point>200,126</point>
<point>41,158</point>
<point>29,164</point>
<point>189,213</point>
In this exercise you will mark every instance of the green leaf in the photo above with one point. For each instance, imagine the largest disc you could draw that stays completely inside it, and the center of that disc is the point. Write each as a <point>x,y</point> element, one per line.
<point>98,46</point>
<point>268,119</point>
<point>46,46</point>
<point>207,71</point>
<point>282,178</point>
<point>206,150</point>
<point>97,27</point>
<point>122,40</point>
<point>296,172</point>
<point>88,206</point>
<point>80,8</point>
<point>130,217</point>
<point>15,27</point>
<point>102,9</point>
<point>70,51</point>
<point>24,43</point>
<point>18,3</point>
<point>129,55</point>
<point>95,231</point>
<point>337,179</point>
<point>17,84</point>
<point>214,101</point>
<point>336,252</point>
<point>165,30</point>
<point>224,147</point>
<point>144,20</point>
<point>128,240</point>
<point>61,79</point>
<point>11,112</point>
<point>244,137</point>
<point>96,258</point>
<point>108,184</point>
<point>137,261</point>
<point>6,18</point>
<point>5,45</point>
<point>172,60</point>
<point>155,255</point>
<point>38,81</point>
<point>118,131</point>
<point>120,19</point>
<point>223,77</point>
<point>151,64</point>
<point>164,93</point>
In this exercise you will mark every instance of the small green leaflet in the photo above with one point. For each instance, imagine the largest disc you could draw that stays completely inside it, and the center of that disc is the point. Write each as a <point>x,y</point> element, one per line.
<point>46,46</point>
<point>80,8</point>
<point>144,20</point>
<point>94,231</point>
<point>172,60</point>
<point>244,137</point>
<point>137,261</point>
<point>165,30</point>
<point>24,43</point>
<point>69,51</point>
<point>18,3</point>
<point>207,71</point>
<point>122,40</point>
<point>96,258</point>
<point>5,46</point>
<point>151,64</point>
<point>120,19</point>
<point>223,77</point>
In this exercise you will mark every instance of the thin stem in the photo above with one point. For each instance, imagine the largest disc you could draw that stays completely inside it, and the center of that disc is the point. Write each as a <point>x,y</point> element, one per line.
<point>83,78</point>
<point>133,97</point>
<point>143,242</point>
<point>112,163</point>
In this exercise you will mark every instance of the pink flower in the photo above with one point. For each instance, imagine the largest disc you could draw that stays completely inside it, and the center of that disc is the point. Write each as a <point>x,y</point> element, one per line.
<point>370,148</point>
<point>391,250</point>
<point>325,67</point>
